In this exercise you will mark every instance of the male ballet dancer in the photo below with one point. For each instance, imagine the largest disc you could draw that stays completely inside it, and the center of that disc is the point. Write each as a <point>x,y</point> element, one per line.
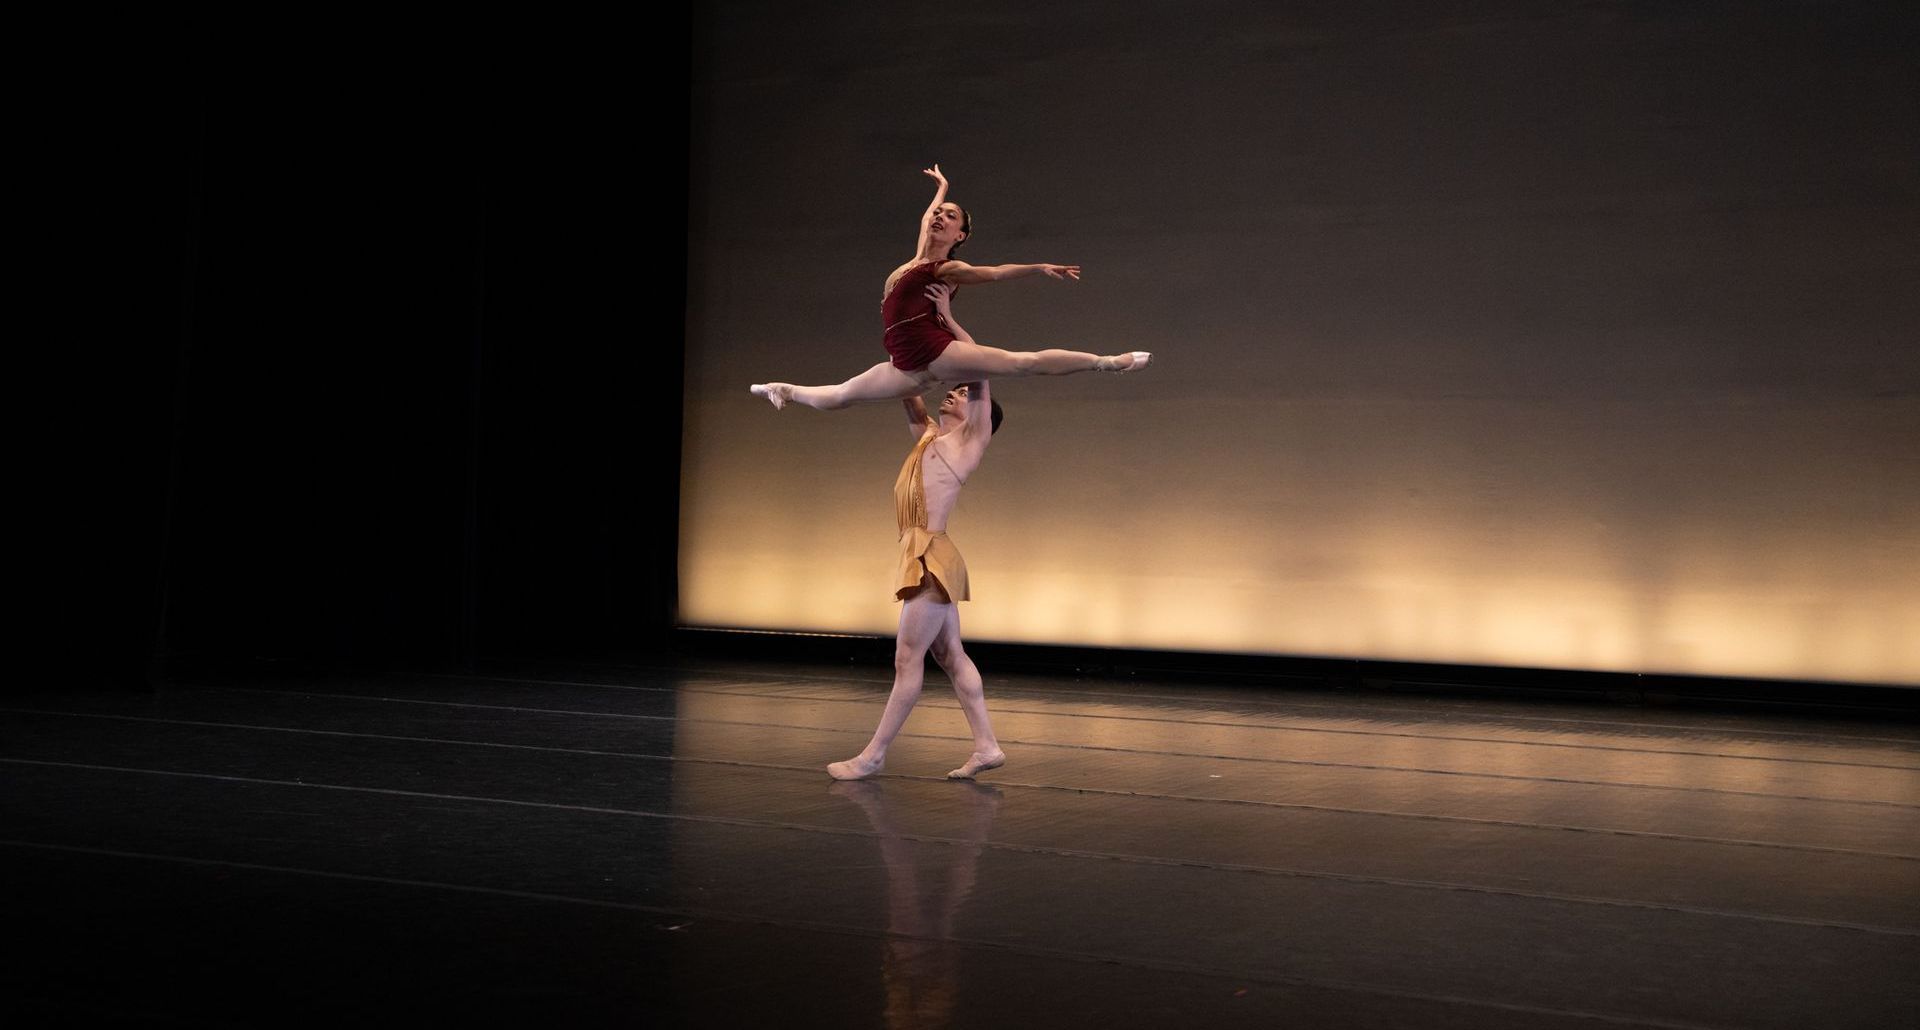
<point>932,577</point>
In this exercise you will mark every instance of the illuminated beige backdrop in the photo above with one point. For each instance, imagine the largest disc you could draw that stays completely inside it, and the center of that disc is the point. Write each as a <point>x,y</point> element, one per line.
<point>1520,342</point>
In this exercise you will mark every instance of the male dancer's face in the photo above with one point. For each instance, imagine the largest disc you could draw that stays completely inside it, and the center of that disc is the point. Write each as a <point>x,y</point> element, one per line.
<point>954,404</point>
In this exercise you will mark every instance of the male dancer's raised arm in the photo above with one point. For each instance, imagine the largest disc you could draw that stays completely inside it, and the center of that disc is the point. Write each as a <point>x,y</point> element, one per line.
<point>917,418</point>
<point>978,430</point>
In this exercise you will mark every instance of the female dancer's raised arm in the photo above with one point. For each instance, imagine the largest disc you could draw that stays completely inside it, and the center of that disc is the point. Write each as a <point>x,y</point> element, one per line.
<point>924,345</point>
<point>926,220</point>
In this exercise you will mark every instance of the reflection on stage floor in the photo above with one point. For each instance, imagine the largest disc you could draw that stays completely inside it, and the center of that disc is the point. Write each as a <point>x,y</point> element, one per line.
<point>629,845</point>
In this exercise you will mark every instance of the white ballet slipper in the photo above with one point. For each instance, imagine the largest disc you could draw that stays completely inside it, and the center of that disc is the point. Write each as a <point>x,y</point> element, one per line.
<point>855,769</point>
<point>1112,363</point>
<point>777,394</point>
<point>977,763</point>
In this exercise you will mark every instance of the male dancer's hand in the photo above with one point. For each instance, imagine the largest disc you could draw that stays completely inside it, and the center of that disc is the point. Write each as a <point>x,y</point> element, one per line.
<point>941,293</point>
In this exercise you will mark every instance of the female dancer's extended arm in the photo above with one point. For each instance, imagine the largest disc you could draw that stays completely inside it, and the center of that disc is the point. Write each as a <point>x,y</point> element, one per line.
<point>960,273</point>
<point>926,220</point>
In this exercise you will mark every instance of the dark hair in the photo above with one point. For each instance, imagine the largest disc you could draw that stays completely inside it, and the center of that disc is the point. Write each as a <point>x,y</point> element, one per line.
<point>966,230</point>
<point>997,415</point>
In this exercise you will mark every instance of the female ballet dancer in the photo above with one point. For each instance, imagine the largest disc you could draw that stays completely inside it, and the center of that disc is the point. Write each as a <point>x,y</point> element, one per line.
<point>933,577</point>
<point>922,342</point>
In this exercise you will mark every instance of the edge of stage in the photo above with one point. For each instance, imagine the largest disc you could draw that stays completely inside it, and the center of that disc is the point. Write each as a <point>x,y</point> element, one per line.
<point>1316,672</point>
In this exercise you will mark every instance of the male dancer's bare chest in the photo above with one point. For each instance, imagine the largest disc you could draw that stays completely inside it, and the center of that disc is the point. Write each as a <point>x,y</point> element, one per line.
<point>940,483</point>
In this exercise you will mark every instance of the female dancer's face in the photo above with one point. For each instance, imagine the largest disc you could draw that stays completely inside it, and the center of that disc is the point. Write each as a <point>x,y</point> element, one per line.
<point>947,222</point>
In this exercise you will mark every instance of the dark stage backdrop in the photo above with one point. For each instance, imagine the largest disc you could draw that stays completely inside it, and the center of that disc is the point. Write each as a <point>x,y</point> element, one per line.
<point>1574,335</point>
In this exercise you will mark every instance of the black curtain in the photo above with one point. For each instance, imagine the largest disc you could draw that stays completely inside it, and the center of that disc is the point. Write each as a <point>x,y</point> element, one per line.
<point>380,350</point>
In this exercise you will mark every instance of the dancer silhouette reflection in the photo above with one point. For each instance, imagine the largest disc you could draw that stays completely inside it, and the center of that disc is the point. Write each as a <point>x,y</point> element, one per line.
<point>920,966</point>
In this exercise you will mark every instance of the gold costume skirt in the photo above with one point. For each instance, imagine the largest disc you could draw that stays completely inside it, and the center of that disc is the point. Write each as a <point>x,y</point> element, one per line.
<point>924,553</point>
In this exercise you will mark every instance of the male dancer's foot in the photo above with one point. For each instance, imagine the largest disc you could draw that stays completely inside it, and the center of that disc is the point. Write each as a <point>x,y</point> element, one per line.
<point>978,763</point>
<point>859,767</point>
<point>1131,361</point>
<point>777,394</point>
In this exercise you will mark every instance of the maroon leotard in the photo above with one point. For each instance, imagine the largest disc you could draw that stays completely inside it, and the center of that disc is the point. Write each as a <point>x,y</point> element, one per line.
<point>916,334</point>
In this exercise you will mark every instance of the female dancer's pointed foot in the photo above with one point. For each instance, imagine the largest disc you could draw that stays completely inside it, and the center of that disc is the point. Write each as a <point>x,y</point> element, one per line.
<point>855,768</point>
<point>777,394</point>
<point>977,764</point>
<point>1132,361</point>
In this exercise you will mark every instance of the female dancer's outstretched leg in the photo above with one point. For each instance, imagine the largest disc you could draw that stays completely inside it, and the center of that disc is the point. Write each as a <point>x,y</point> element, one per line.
<point>962,362</point>
<point>965,361</point>
<point>882,382</point>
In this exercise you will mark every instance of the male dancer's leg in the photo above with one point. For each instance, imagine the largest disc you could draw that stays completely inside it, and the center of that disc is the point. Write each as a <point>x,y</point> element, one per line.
<point>968,687</point>
<point>921,619</point>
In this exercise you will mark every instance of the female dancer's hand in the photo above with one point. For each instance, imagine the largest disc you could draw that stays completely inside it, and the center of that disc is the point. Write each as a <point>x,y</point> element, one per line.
<point>935,173</point>
<point>1062,271</point>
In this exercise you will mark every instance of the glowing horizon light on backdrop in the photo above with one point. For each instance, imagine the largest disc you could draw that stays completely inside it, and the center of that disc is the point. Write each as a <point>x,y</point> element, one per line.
<point>1267,557</point>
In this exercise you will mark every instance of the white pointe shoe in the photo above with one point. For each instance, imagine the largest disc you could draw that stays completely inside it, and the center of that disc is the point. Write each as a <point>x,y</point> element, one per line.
<point>777,394</point>
<point>1109,364</point>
